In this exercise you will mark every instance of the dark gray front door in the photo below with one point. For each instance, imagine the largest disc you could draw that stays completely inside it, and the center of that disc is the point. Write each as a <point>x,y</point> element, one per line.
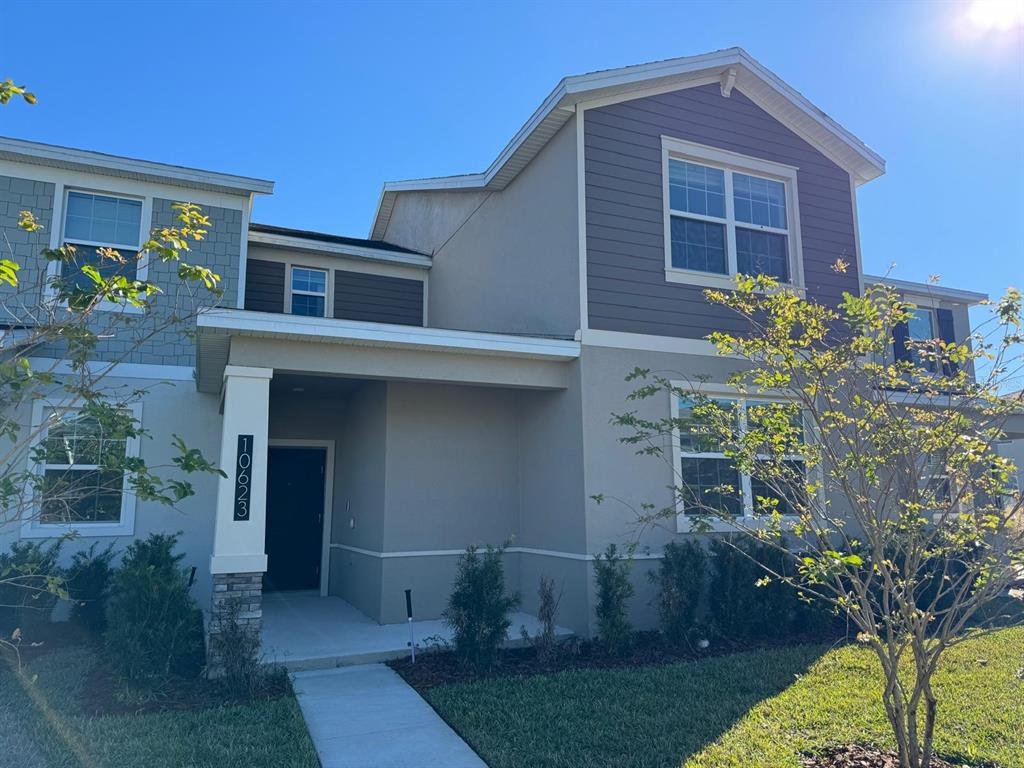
<point>295,508</point>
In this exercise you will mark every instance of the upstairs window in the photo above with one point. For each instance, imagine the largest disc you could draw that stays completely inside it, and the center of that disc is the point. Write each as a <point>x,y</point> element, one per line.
<point>93,221</point>
<point>728,215</point>
<point>309,292</point>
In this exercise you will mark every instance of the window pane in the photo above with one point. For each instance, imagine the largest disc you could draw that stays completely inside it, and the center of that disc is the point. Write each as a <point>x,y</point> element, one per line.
<point>81,496</point>
<point>919,326</point>
<point>310,306</point>
<point>698,245</point>
<point>112,221</point>
<point>762,253</point>
<point>785,482</point>
<point>710,485</point>
<point>312,280</point>
<point>88,254</point>
<point>759,201</point>
<point>696,188</point>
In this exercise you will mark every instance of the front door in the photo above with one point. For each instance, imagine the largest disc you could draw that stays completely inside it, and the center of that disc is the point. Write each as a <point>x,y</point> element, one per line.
<point>295,510</point>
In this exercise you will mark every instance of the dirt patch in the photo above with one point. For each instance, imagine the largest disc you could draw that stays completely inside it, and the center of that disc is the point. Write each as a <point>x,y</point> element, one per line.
<point>440,667</point>
<point>856,756</point>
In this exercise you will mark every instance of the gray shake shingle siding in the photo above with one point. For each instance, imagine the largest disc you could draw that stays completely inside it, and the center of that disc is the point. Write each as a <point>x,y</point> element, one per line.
<point>264,285</point>
<point>626,286</point>
<point>377,298</point>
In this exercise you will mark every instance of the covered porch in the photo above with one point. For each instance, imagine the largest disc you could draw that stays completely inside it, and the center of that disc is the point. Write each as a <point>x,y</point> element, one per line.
<point>303,630</point>
<point>362,459</point>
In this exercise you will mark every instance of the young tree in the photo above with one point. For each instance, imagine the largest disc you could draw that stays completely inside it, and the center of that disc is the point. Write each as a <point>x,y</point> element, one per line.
<point>877,477</point>
<point>64,304</point>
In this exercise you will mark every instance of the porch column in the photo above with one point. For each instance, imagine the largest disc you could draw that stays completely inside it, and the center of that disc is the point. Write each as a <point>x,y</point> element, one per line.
<point>239,555</point>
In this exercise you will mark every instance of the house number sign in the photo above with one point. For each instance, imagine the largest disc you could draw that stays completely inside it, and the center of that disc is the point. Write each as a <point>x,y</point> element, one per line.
<point>243,477</point>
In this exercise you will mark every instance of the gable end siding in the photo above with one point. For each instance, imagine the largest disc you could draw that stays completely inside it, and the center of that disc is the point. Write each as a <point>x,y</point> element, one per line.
<point>377,298</point>
<point>626,286</point>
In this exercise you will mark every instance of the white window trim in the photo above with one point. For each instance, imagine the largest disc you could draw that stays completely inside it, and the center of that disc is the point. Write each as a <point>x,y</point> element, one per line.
<point>684,522</point>
<point>33,528</point>
<point>672,148</point>
<point>60,201</point>
<point>327,294</point>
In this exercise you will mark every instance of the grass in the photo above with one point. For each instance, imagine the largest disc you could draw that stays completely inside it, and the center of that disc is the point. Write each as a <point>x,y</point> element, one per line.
<point>43,726</point>
<point>758,709</point>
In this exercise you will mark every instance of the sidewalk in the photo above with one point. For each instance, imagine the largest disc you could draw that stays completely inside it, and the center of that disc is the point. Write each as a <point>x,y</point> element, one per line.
<point>368,717</point>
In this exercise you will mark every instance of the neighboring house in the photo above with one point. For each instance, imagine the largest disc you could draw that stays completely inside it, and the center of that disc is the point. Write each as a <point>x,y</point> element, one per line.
<point>449,380</point>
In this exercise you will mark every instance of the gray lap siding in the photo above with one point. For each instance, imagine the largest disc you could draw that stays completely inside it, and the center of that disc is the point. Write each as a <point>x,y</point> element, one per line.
<point>626,286</point>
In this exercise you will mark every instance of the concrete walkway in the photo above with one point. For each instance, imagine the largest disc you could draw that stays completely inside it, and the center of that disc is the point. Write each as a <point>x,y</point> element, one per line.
<point>368,717</point>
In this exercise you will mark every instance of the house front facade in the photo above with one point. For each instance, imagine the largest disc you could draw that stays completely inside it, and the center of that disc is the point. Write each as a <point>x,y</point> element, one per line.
<point>379,404</point>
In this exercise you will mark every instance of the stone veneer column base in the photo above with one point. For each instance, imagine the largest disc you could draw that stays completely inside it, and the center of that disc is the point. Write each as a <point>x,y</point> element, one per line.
<point>237,597</point>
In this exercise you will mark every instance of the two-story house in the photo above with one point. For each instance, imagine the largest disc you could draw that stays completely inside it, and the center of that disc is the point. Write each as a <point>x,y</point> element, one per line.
<point>449,380</point>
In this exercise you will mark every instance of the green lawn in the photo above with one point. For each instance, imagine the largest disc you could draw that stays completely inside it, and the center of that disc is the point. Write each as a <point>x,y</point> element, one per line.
<point>42,726</point>
<point>751,710</point>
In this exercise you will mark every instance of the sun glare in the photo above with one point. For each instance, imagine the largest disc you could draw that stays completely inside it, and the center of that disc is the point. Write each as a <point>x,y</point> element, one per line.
<point>997,14</point>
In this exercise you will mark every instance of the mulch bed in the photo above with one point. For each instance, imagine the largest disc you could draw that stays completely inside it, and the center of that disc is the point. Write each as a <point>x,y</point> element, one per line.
<point>440,667</point>
<point>856,756</point>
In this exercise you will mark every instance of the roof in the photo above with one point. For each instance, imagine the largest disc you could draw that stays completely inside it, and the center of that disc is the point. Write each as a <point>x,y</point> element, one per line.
<point>731,67</point>
<point>929,290</point>
<point>56,156</point>
<point>338,245</point>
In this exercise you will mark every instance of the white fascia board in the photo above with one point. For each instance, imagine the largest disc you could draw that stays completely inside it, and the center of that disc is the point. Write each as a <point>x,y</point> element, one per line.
<point>927,290</point>
<point>386,334</point>
<point>577,89</point>
<point>352,251</point>
<point>49,154</point>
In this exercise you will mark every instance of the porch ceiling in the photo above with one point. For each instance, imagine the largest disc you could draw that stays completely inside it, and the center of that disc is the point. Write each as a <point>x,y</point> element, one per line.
<point>376,350</point>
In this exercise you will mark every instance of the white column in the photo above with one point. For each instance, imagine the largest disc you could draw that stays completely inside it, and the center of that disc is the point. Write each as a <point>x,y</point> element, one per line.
<point>239,532</point>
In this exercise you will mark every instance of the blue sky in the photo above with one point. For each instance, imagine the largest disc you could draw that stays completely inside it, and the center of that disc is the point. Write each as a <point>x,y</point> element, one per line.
<point>329,100</point>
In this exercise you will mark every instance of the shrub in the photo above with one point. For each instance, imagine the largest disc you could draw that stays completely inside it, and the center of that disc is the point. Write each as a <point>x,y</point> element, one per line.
<point>154,628</point>
<point>744,607</point>
<point>682,578</point>
<point>30,583</point>
<point>614,588</point>
<point>546,640</point>
<point>478,608</point>
<point>88,579</point>
<point>236,646</point>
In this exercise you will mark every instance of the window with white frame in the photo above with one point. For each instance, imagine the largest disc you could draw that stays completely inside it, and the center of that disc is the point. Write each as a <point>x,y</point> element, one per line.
<point>93,221</point>
<point>309,292</point>
<point>710,481</point>
<point>81,483</point>
<point>726,214</point>
<point>921,326</point>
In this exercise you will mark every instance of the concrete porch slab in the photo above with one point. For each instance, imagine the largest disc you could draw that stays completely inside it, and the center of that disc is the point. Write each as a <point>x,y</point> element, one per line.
<point>303,631</point>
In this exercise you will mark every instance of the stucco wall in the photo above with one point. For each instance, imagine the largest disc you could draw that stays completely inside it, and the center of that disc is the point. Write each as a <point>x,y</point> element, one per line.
<point>168,408</point>
<point>510,263</point>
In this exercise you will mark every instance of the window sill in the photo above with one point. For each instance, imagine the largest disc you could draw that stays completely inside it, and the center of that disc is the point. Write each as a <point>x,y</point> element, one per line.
<point>684,523</point>
<point>37,530</point>
<point>709,280</point>
<point>103,306</point>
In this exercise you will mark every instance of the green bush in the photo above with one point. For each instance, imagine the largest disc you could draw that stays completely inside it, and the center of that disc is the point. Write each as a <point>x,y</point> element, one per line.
<point>682,579</point>
<point>611,571</point>
<point>745,608</point>
<point>30,583</point>
<point>478,608</point>
<point>88,579</point>
<point>154,628</point>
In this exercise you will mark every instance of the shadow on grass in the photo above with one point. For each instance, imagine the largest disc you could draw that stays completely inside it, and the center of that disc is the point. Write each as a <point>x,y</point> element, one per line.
<point>644,717</point>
